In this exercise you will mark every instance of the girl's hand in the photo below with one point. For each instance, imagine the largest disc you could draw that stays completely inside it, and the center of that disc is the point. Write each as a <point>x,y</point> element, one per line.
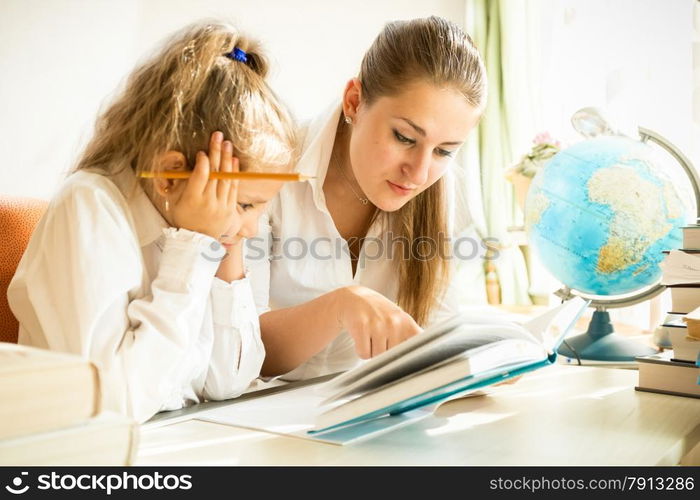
<point>208,206</point>
<point>374,322</point>
<point>231,267</point>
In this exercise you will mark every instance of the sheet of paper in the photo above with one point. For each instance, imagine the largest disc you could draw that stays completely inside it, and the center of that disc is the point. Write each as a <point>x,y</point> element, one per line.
<point>680,268</point>
<point>293,413</point>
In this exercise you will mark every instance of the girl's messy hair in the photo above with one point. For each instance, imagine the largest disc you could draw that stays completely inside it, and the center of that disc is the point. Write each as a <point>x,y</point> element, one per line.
<point>207,77</point>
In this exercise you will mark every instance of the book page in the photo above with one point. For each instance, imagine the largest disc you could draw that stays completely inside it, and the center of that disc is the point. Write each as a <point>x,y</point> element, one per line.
<point>551,327</point>
<point>428,336</point>
<point>463,340</point>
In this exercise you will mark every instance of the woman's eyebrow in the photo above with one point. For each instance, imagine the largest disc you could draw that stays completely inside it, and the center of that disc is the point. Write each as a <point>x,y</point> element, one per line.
<point>418,129</point>
<point>421,131</point>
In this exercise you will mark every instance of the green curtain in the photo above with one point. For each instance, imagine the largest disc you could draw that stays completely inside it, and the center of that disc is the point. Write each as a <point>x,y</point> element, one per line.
<point>491,145</point>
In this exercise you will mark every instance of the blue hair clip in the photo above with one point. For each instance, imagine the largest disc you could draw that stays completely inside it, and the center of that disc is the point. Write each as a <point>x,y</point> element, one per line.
<point>237,55</point>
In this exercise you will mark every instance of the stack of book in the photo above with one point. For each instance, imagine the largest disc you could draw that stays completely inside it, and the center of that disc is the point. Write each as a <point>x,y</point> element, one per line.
<point>673,372</point>
<point>681,272</point>
<point>51,412</point>
<point>678,371</point>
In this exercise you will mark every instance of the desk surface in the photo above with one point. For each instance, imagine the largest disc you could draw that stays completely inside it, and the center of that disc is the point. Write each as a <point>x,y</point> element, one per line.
<point>561,415</point>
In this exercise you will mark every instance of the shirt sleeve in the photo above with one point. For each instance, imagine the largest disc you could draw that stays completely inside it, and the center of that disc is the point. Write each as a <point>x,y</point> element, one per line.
<point>79,288</point>
<point>257,259</point>
<point>238,351</point>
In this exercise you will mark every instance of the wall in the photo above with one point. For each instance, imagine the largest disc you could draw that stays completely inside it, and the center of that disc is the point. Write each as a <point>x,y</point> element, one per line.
<point>632,58</point>
<point>60,60</point>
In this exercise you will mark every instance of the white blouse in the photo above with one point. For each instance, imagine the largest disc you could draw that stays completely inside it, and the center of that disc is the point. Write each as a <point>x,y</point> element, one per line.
<point>299,254</point>
<point>105,277</point>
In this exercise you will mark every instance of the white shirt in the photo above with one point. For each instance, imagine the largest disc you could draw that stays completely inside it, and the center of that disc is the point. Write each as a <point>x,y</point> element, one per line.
<point>287,273</point>
<point>105,277</point>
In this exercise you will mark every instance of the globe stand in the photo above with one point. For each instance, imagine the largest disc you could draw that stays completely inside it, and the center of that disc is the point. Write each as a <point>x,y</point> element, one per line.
<point>601,343</point>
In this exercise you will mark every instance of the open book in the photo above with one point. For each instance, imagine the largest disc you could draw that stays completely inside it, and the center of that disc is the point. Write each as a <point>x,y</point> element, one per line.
<point>461,354</point>
<point>465,353</point>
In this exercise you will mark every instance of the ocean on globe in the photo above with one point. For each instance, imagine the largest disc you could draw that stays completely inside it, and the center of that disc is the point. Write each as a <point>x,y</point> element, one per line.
<point>600,214</point>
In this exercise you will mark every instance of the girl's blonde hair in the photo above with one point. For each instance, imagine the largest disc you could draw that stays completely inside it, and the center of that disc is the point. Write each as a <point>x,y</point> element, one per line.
<point>436,51</point>
<point>188,90</point>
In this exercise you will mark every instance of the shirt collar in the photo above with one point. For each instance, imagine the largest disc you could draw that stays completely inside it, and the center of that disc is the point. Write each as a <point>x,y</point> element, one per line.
<point>317,148</point>
<point>148,221</point>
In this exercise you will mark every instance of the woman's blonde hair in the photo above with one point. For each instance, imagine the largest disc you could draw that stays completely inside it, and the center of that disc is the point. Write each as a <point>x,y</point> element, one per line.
<point>188,90</point>
<point>436,51</point>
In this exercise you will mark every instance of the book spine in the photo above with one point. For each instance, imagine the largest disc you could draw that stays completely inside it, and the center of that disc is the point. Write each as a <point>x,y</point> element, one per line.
<point>670,393</point>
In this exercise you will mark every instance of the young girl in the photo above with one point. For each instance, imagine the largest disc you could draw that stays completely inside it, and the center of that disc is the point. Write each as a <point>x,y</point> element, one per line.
<point>145,277</point>
<point>380,159</point>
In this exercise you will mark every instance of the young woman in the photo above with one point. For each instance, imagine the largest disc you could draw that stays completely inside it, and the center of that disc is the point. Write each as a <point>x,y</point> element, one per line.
<point>359,255</point>
<point>145,276</point>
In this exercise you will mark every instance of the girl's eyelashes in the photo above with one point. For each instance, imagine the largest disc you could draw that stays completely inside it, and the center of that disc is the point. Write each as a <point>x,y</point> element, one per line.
<point>245,206</point>
<point>402,138</point>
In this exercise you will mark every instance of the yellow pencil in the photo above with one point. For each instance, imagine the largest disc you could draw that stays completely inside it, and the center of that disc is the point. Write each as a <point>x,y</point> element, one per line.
<point>248,176</point>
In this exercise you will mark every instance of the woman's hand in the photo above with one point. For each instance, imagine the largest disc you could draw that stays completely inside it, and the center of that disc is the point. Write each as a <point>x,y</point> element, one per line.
<point>374,322</point>
<point>208,206</point>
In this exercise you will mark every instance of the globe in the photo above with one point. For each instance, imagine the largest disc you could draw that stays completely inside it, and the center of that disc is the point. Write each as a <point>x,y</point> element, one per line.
<point>600,214</point>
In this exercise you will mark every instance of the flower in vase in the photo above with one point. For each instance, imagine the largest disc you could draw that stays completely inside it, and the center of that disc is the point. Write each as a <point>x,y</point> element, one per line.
<point>544,147</point>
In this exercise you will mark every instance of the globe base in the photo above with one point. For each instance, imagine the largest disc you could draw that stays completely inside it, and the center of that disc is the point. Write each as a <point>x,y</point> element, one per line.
<point>601,343</point>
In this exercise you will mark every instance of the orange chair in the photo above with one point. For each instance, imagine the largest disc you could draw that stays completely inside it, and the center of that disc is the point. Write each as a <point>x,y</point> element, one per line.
<point>18,218</point>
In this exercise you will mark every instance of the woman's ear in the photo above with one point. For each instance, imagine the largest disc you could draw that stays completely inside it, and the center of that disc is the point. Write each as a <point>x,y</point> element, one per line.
<point>170,160</point>
<point>352,98</point>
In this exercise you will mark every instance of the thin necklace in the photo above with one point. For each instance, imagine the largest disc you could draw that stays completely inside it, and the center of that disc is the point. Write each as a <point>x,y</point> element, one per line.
<point>364,201</point>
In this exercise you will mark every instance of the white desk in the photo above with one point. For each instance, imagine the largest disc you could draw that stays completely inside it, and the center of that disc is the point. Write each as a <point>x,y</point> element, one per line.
<point>562,415</point>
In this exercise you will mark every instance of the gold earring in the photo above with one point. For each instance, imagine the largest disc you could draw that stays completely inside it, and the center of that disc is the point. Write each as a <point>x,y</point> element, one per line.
<point>167,203</point>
